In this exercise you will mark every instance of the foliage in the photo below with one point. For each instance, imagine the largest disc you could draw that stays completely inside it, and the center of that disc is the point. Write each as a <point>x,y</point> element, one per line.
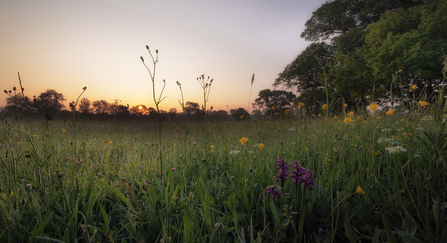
<point>239,114</point>
<point>274,102</point>
<point>360,47</point>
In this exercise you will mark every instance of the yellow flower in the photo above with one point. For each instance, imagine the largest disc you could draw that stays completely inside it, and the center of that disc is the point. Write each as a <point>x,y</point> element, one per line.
<point>350,113</point>
<point>390,112</point>
<point>11,194</point>
<point>110,142</point>
<point>300,104</point>
<point>345,105</point>
<point>261,146</point>
<point>242,117</point>
<point>423,103</point>
<point>212,151</point>
<point>400,70</point>
<point>63,130</point>
<point>360,190</point>
<point>324,107</point>
<point>373,107</point>
<point>347,120</point>
<point>413,87</point>
<point>287,111</point>
<point>243,140</point>
<point>212,146</point>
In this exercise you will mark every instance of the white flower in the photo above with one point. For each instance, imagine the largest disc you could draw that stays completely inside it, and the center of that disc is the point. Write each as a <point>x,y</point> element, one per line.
<point>234,151</point>
<point>396,149</point>
<point>292,129</point>
<point>388,140</point>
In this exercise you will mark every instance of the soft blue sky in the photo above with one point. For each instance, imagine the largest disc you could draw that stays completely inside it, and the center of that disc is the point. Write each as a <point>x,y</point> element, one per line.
<point>66,45</point>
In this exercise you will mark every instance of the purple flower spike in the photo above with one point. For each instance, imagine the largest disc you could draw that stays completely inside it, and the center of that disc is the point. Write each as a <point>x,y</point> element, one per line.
<point>274,191</point>
<point>283,168</point>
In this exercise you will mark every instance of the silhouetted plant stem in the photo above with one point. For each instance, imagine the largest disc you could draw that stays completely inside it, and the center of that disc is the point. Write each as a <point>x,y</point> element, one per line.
<point>157,101</point>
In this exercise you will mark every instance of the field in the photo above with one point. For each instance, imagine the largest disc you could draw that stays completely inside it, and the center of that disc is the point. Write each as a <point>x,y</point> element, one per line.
<point>375,177</point>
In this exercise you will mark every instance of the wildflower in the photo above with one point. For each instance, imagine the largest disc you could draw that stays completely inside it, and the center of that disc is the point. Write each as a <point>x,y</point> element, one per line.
<point>287,111</point>
<point>423,103</point>
<point>274,191</point>
<point>413,87</point>
<point>283,168</point>
<point>212,151</point>
<point>235,152</point>
<point>324,107</point>
<point>194,143</point>
<point>173,169</point>
<point>243,140</point>
<point>110,142</point>
<point>141,167</point>
<point>241,117</point>
<point>345,105</point>
<point>261,146</point>
<point>390,112</point>
<point>217,226</point>
<point>63,130</point>
<point>292,129</point>
<point>395,149</point>
<point>350,113</point>
<point>300,104</point>
<point>360,190</point>
<point>11,194</point>
<point>347,120</point>
<point>302,176</point>
<point>29,186</point>
<point>212,146</point>
<point>146,182</point>
<point>373,107</point>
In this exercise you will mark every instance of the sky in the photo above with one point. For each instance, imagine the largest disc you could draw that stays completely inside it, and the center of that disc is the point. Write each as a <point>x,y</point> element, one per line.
<point>66,45</point>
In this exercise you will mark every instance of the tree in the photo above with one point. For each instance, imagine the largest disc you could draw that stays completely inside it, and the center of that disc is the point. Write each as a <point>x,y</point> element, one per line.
<point>274,101</point>
<point>192,108</point>
<point>101,107</point>
<point>410,42</point>
<point>84,106</point>
<point>343,24</point>
<point>239,114</point>
<point>305,72</point>
<point>220,115</point>
<point>50,102</point>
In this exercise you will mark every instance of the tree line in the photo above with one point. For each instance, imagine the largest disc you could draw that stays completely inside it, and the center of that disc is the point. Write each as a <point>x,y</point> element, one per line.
<point>50,104</point>
<point>360,46</point>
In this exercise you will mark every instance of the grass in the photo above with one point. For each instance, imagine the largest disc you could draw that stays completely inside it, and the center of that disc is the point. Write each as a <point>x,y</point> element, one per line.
<point>112,190</point>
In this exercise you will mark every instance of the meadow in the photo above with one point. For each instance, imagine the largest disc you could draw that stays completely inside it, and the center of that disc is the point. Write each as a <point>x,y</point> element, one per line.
<point>364,177</point>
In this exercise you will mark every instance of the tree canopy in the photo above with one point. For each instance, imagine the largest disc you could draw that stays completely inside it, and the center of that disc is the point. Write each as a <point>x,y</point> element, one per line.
<point>360,44</point>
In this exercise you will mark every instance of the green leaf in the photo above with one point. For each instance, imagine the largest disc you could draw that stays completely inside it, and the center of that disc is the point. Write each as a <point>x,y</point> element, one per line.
<point>51,239</point>
<point>348,228</point>
<point>275,213</point>
<point>389,233</point>
<point>408,238</point>
<point>117,193</point>
<point>38,231</point>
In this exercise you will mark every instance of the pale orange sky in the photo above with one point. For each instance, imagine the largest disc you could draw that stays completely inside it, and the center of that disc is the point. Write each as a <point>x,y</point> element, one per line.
<point>66,45</point>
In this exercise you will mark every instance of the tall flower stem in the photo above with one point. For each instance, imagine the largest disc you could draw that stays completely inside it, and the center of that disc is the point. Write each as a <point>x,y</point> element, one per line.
<point>156,101</point>
<point>206,86</point>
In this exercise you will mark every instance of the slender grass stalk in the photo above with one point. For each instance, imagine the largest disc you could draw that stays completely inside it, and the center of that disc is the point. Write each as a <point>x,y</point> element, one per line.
<point>156,101</point>
<point>249,95</point>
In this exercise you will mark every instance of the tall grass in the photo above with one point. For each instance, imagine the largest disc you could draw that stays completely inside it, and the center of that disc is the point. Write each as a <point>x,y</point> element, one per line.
<point>378,177</point>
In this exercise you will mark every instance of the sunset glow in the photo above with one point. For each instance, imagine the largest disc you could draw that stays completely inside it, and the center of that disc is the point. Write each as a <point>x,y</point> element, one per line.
<point>66,45</point>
